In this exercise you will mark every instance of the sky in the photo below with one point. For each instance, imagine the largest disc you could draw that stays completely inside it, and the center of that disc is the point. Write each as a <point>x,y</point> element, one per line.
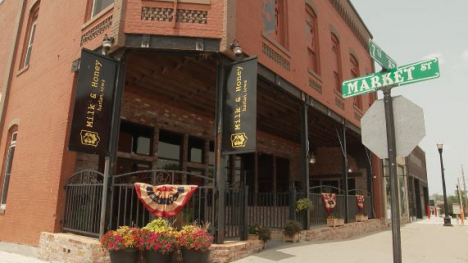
<point>411,31</point>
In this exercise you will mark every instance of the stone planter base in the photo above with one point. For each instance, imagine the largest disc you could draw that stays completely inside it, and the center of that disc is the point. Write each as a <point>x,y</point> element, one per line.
<point>294,239</point>
<point>252,237</point>
<point>333,222</point>
<point>361,218</point>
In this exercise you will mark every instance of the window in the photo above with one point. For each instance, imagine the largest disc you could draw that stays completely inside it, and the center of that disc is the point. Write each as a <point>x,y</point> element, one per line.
<point>355,74</point>
<point>169,150</point>
<point>31,32</point>
<point>196,150</point>
<point>134,138</point>
<point>274,19</point>
<point>312,39</point>
<point>99,5</point>
<point>336,62</point>
<point>8,166</point>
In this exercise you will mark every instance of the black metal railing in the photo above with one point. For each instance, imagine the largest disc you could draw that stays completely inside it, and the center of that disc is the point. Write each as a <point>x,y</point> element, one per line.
<point>126,209</point>
<point>268,209</point>
<point>83,195</point>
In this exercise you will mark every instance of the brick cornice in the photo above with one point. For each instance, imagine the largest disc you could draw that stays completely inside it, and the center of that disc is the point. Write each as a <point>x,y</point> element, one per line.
<point>352,19</point>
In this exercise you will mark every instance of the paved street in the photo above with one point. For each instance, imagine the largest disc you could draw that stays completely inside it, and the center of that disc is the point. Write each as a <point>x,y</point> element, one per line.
<point>422,242</point>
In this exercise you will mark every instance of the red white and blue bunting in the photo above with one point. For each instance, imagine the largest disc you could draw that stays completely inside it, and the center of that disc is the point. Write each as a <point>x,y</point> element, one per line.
<point>164,200</point>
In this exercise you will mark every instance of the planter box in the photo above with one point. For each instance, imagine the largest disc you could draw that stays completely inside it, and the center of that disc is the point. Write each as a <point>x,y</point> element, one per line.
<point>252,237</point>
<point>361,218</point>
<point>293,239</point>
<point>332,222</point>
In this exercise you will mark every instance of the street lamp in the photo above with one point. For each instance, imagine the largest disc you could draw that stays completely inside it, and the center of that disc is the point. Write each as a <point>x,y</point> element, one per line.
<point>447,220</point>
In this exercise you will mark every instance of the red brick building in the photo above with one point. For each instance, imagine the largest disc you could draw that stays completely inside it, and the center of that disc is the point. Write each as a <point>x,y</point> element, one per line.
<point>171,53</point>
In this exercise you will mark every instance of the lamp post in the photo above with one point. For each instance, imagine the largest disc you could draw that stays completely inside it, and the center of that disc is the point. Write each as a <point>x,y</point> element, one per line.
<point>447,220</point>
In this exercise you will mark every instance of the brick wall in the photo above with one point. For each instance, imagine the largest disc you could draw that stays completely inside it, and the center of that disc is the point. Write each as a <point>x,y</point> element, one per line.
<point>249,30</point>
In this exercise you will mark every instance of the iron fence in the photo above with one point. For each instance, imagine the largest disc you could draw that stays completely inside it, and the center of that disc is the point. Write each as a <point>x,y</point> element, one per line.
<point>83,203</point>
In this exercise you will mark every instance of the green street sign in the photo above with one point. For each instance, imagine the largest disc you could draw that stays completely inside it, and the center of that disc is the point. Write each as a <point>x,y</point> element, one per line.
<point>404,75</point>
<point>380,56</point>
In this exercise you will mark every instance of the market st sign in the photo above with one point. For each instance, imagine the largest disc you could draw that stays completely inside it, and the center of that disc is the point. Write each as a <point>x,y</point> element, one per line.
<point>404,75</point>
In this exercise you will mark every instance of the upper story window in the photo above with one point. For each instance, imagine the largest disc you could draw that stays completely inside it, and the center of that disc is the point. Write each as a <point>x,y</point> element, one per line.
<point>30,34</point>
<point>275,19</point>
<point>99,5</point>
<point>312,39</point>
<point>336,62</point>
<point>355,74</point>
<point>8,165</point>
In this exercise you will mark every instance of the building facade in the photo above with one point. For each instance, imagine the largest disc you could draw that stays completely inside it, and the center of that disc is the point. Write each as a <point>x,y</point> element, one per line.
<point>171,56</point>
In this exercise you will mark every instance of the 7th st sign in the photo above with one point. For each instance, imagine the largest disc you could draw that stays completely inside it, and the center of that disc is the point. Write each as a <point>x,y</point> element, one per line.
<point>411,73</point>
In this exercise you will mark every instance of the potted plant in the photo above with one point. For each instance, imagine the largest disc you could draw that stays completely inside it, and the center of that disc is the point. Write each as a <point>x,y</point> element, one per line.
<point>253,232</point>
<point>291,231</point>
<point>194,242</point>
<point>334,220</point>
<point>264,234</point>
<point>303,204</point>
<point>158,241</point>
<point>123,244</point>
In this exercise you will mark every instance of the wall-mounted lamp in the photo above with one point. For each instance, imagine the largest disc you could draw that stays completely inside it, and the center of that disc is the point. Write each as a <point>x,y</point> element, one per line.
<point>312,158</point>
<point>107,44</point>
<point>236,48</point>
<point>350,170</point>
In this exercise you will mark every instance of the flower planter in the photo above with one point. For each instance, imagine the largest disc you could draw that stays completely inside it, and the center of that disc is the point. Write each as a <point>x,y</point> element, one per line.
<point>154,256</point>
<point>361,218</point>
<point>333,222</point>
<point>295,238</point>
<point>195,256</point>
<point>128,255</point>
<point>252,237</point>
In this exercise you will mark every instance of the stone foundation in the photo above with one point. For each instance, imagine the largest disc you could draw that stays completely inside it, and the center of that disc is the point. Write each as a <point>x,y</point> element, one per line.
<point>70,248</point>
<point>345,231</point>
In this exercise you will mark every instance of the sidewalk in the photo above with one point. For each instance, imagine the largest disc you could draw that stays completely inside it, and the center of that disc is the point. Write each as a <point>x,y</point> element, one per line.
<point>425,241</point>
<point>6,257</point>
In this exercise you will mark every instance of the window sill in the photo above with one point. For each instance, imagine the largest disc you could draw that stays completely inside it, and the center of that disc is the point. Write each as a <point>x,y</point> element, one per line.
<point>357,109</point>
<point>276,44</point>
<point>97,16</point>
<point>21,71</point>
<point>339,95</point>
<point>315,75</point>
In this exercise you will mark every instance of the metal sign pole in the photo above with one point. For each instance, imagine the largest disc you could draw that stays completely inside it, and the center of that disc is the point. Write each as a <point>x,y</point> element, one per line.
<point>391,142</point>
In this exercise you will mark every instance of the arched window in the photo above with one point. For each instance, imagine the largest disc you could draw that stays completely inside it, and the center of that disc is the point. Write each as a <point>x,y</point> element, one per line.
<point>275,20</point>
<point>336,62</point>
<point>8,163</point>
<point>30,35</point>
<point>312,39</point>
<point>355,74</point>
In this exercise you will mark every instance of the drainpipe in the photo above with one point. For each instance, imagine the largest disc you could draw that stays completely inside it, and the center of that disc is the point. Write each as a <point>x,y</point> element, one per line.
<point>11,62</point>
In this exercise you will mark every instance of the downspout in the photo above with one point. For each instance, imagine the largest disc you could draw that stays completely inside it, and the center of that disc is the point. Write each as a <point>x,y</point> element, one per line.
<point>11,62</point>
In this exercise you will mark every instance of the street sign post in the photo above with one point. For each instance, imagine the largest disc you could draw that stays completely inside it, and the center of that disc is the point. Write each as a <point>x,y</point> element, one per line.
<point>380,56</point>
<point>404,75</point>
<point>390,77</point>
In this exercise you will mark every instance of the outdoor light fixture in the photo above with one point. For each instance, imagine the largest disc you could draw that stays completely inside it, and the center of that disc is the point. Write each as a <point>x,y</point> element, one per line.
<point>236,48</point>
<point>106,44</point>
<point>312,158</point>
<point>350,170</point>
<point>447,220</point>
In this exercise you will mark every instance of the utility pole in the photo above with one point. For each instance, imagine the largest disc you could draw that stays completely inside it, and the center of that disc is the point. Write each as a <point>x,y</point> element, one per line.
<point>464,186</point>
